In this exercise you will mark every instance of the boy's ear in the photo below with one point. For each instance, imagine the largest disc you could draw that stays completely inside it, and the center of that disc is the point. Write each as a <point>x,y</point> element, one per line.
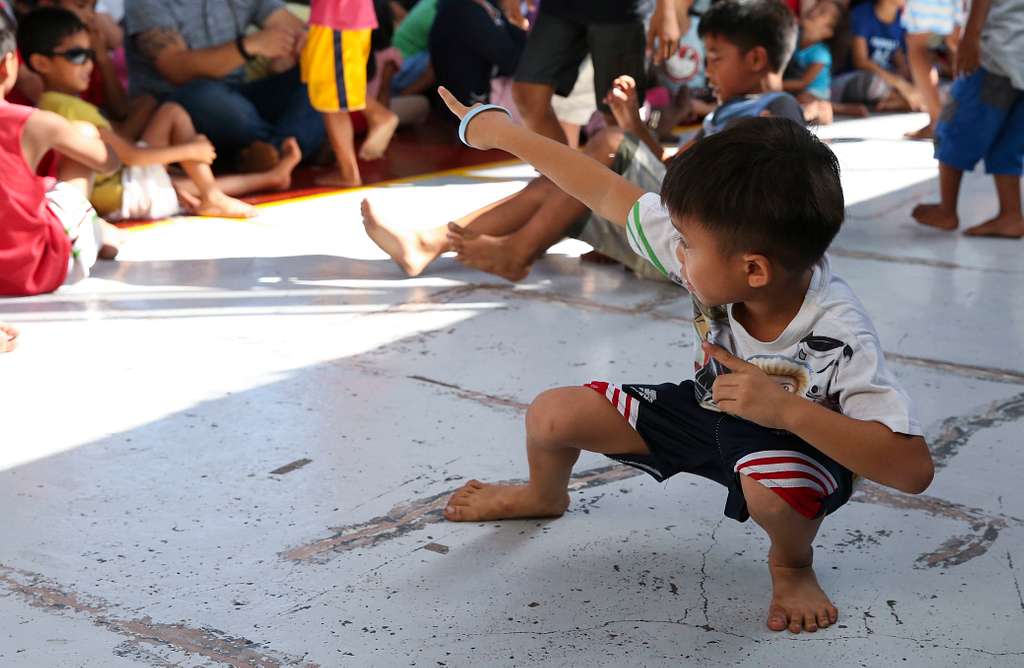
<point>759,270</point>
<point>757,58</point>
<point>39,63</point>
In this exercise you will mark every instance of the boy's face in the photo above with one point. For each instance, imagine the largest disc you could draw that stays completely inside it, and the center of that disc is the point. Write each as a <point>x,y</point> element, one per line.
<point>713,277</point>
<point>730,70</point>
<point>68,68</point>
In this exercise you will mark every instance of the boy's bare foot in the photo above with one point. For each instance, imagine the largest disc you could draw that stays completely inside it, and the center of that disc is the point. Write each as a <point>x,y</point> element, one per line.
<point>1003,226</point>
<point>110,241</point>
<point>378,137</point>
<point>936,215</point>
<point>8,337</point>
<point>927,132</point>
<point>476,501</point>
<point>494,255</point>
<point>219,205</point>
<point>258,156</point>
<point>798,602</point>
<point>281,173</point>
<point>410,250</point>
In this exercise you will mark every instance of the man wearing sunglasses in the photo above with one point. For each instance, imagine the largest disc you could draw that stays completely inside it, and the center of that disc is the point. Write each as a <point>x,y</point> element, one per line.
<point>193,52</point>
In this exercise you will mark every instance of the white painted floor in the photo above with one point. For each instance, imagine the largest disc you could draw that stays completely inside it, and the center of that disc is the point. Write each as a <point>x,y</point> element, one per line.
<point>149,411</point>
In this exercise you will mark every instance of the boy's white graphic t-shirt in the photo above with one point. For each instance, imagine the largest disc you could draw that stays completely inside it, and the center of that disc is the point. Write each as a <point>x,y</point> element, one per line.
<point>829,353</point>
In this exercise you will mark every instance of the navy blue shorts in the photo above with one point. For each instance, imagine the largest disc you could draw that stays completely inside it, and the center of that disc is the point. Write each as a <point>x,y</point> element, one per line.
<point>683,436</point>
<point>985,119</point>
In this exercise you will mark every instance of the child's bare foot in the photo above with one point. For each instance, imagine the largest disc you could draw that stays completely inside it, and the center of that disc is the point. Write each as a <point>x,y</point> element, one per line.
<point>258,156</point>
<point>936,215</point>
<point>1003,226</point>
<point>798,602</point>
<point>219,205</point>
<point>8,337</point>
<point>110,241</point>
<point>494,255</point>
<point>476,501</point>
<point>378,137</point>
<point>411,251</point>
<point>281,173</point>
<point>927,132</point>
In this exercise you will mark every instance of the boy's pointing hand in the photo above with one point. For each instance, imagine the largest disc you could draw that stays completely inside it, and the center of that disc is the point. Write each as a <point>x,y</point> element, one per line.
<point>748,392</point>
<point>484,128</point>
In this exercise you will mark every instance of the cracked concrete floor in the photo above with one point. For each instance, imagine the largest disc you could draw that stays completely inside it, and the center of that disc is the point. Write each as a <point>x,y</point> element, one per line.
<point>231,448</point>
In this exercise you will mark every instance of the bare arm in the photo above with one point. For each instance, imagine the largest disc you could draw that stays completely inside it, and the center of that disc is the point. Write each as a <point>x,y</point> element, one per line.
<point>867,448</point>
<point>46,130</point>
<point>968,53</point>
<point>167,50</point>
<point>862,61</point>
<point>798,85</point>
<point>130,154</point>
<point>603,191</point>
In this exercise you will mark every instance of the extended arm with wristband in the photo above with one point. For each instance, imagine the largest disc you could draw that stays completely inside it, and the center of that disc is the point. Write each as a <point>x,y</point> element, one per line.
<point>603,191</point>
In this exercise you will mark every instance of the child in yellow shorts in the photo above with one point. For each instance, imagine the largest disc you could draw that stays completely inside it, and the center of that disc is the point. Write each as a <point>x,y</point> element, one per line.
<point>334,70</point>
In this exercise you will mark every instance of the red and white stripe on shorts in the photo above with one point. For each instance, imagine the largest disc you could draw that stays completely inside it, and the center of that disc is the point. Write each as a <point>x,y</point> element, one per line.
<point>800,480</point>
<point>627,406</point>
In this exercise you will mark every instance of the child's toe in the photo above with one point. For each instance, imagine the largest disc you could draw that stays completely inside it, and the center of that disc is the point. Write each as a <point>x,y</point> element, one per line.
<point>823,620</point>
<point>777,619</point>
<point>810,622</point>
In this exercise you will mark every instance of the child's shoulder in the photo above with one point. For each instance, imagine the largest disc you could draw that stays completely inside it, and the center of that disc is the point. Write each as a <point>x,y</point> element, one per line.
<point>72,108</point>
<point>841,309</point>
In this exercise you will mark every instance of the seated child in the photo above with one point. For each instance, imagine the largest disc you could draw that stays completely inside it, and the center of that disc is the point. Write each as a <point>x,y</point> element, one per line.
<point>56,45</point>
<point>809,76</point>
<point>49,233</point>
<point>106,86</point>
<point>686,98</point>
<point>881,77</point>
<point>791,397</point>
<point>345,25</point>
<point>984,119</point>
<point>748,43</point>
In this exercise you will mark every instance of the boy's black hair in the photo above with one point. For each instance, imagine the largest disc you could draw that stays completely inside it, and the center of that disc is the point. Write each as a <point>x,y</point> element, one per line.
<point>41,30</point>
<point>750,23</point>
<point>763,185</point>
<point>8,39</point>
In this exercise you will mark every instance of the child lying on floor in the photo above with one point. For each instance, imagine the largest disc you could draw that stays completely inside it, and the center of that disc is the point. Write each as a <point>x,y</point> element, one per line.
<point>56,45</point>
<point>791,398</point>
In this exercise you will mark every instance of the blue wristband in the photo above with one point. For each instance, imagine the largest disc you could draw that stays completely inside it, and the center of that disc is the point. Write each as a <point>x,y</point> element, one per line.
<point>472,113</point>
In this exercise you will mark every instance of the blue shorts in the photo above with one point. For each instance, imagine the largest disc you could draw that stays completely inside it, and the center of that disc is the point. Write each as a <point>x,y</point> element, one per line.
<point>985,119</point>
<point>684,437</point>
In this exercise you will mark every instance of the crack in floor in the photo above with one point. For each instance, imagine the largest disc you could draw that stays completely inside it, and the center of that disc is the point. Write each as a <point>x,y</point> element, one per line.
<point>212,644</point>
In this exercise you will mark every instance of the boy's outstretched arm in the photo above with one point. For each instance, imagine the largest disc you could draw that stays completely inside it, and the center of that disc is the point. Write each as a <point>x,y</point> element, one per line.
<point>603,191</point>
<point>869,449</point>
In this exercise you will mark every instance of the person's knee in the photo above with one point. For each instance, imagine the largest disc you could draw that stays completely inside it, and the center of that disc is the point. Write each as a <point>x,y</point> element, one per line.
<point>605,143</point>
<point>550,415</point>
<point>766,507</point>
<point>532,100</point>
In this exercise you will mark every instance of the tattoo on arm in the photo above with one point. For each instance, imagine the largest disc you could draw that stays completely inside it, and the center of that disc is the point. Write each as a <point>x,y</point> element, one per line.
<point>153,42</point>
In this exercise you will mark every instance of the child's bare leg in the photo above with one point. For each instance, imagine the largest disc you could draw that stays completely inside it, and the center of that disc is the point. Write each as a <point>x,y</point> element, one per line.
<point>559,424</point>
<point>171,126</point>
<point>414,250</point>
<point>919,57</point>
<point>1009,223</point>
<point>381,125</point>
<point>798,602</point>
<point>512,256</point>
<point>942,215</point>
<point>278,177</point>
<point>342,138</point>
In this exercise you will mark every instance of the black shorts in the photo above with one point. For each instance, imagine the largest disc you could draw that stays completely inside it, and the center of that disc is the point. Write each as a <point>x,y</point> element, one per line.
<point>556,47</point>
<point>682,436</point>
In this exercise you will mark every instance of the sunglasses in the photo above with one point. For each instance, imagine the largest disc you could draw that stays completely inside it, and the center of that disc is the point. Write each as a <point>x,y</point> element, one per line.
<point>76,55</point>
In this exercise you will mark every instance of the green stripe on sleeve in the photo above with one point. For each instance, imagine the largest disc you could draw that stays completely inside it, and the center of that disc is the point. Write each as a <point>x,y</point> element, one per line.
<point>629,225</point>
<point>647,246</point>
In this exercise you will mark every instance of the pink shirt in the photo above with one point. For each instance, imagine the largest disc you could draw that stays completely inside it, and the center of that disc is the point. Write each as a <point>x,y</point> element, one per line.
<point>343,14</point>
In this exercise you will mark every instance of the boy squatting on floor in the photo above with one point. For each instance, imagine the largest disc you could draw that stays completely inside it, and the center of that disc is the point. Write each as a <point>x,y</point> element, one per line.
<point>791,397</point>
